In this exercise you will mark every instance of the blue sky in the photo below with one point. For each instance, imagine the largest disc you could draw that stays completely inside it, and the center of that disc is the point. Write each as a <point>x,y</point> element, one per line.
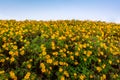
<point>104,10</point>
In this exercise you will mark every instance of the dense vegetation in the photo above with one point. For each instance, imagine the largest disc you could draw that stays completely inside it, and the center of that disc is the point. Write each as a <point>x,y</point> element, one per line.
<point>59,50</point>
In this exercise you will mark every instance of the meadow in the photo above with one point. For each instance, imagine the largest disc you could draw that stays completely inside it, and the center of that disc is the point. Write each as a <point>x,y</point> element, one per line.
<point>59,50</point>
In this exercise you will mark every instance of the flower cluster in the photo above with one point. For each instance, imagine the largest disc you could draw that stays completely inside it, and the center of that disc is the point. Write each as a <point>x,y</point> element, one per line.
<point>63,50</point>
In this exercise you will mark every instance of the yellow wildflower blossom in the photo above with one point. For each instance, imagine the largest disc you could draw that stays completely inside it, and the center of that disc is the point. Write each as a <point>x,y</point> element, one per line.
<point>2,72</point>
<point>12,59</point>
<point>82,77</point>
<point>85,59</point>
<point>76,63</point>
<point>99,60</point>
<point>110,62</point>
<point>72,57</point>
<point>15,47</point>
<point>29,66</point>
<point>60,69</point>
<point>53,45</point>
<point>103,77</point>
<point>91,76</point>
<point>89,53</point>
<point>42,65</point>
<point>55,63</point>
<point>27,76</point>
<point>12,75</point>
<point>75,75</point>
<point>66,73</point>
<point>22,52</point>
<point>43,70</point>
<point>2,60</point>
<point>49,61</point>
<point>115,75</point>
<point>62,78</point>
<point>118,61</point>
<point>47,56</point>
<point>98,69</point>
<point>103,66</point>
<point>11,53</point>
<point>76,53</point>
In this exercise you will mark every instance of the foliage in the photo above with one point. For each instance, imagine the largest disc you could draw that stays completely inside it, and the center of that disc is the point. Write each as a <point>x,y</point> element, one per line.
<point>59,50</point>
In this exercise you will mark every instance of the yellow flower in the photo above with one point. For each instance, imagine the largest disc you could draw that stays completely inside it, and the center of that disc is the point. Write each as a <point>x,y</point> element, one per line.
<point>116,53</point>
<point>91,76</point>
<point>101,53</point>
<point>118,61</point>
<point>63,37</point>
<point>89,53</point>
<point>42,65</point>
<point>60,38</point>
<point>103,66</point>
<point>12,75</point>
<point>98,69</point>
<point>115,76</point>
<point>60,69</point>
<point>61,50</point>
<point>44,53</point>
<point>49,61</point>
<point>12,59</point>
<point>27,76</point>
<point>22,52</point>
<point>82,77</point>
<point>62,78</point>
<point>99,60</point>
<point>110,62</point>
<point>84,45</point>
<point>66,73</point>
<point>111,50</point>
<point>66,64</point>
<point>53,45</point>
<point>43,70</point>
<point>16,53</point>
<point>50,68</point>
<point>30,60</point>
<point>43,47</point>
<point>29,66</point>
<point>47,56</point>
<point>91,47</point>
<point>55,53</point>
<point>61,63</point>
<point>2,60</point>
<point>84,52</point>
<point>2,72</point>
<point>7,58</point>
<point>64,50</point>
<point>64,55</point>
<point>55,63</point>
<point>85,59</point>
<point>53,36</point>
<point>101,44</point>
<point>103,77</point>
<point>75,74</point>
<point>78,49</point>
<point>76,53</point>
<point>72,57</point>
<point>4,38</point>
<point>76,63</point>
<point>66,46</point>
<point>86,36</point>
<point>11,52</point>
<point>15,47</point>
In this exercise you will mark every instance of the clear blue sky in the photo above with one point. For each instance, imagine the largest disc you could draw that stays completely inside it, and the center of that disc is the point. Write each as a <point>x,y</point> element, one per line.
<point>105,10</point>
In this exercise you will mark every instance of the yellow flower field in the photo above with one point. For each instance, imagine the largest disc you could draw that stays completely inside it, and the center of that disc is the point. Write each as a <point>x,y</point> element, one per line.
<point>59,50</point>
